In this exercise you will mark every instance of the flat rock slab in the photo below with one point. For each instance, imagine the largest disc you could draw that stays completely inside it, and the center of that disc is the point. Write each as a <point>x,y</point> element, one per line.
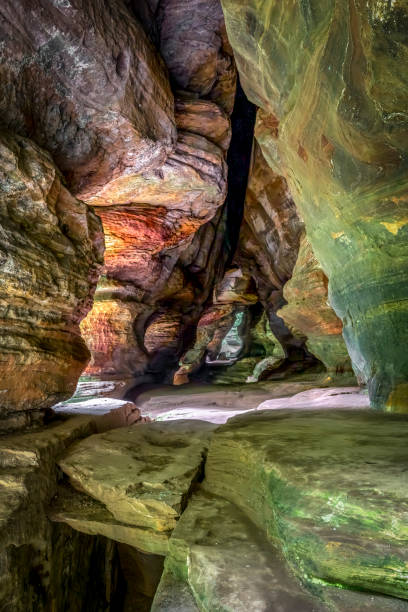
<point>219,556</point>
<point>331,486</point>
<point>334,397</point>
<point>214,403</point>
<point>109,413</point>
<point>27,476</point>
<point>142,474</point>
<point>85,514</point>
<point>95,406</point>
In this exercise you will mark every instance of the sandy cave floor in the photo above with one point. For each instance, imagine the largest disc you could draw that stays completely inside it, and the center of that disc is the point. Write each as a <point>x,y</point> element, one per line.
<point>218,403</point>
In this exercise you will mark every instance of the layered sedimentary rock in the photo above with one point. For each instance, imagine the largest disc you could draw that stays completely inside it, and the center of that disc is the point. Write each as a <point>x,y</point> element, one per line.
<point>309,314</point>
<point>140,477</point>
<point>268,242</point>
<point>163,227</point>
<point>264,528</point>
<point>51,248</point>
<point>334,122</point>
<point>224,563</point>
<point>87,86</point>
<point>173,291</point>
<point>109,334</point>
<point>266,252</point>
<point>221,331</point>
<point>35,555</point>
<point>270,231</point>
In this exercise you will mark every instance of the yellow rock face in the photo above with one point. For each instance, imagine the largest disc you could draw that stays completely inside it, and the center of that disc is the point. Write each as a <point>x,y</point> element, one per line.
<point>51,250</point>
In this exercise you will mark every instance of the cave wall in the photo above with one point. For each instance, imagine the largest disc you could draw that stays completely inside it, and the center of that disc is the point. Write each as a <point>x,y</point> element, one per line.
<point>51,247</point>
<point>48,566</point>
<point>308,313</point>
<point>165,230</point>
<point>328,79</point>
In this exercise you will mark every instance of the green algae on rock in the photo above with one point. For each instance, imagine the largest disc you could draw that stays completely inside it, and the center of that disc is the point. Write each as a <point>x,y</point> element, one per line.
<point>327,486</point>
<point>330,79</point>
<point>222,558</point>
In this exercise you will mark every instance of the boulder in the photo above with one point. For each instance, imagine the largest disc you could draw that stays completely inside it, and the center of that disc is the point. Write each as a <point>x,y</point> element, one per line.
<point>328,486</point>
<point>224,560</point>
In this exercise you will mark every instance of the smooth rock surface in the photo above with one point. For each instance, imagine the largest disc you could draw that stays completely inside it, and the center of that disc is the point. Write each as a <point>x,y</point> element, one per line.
<point>329,80</point>
<point>218,403</point>
<point>173,593</point>
<point>309,314</point>
<point>110,413</point>
<point>227,563</point>
<point>334,397</point>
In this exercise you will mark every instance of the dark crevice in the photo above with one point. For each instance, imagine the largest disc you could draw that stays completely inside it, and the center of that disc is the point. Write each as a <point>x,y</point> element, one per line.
<point>239,161</point>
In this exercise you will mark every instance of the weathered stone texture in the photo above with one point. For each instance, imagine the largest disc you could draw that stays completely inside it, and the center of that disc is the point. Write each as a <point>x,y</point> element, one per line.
<point>51,247</point>
<point>328,485</point>
<point>309,314</point>
<point>330,80</point>
<point>157,221</point>
<point>194,45</point>
<point>142,474</point>
<point>81,79</point>
<point>46,566</point>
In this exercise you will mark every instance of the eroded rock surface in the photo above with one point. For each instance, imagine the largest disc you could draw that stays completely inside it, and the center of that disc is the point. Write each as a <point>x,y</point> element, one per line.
<point>88,86</point>
<point>51,247</point>
<point>164,228</point>
<point>142,474</point>
<point>34,553</point>
<point>333,121</point>
<point>309,314</point>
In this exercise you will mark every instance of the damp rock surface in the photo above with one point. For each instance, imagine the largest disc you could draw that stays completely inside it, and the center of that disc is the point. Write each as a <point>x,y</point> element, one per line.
<point>227,563</point>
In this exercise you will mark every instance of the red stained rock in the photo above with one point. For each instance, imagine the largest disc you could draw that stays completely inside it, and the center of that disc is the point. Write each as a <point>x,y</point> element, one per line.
<point>164,332</point>
<point>160,236</point>
<point>109,333</point>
